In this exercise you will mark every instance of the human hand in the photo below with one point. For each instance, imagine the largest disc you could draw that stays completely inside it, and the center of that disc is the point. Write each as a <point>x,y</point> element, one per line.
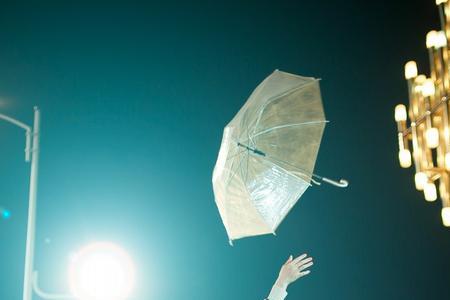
<point>293,269</point>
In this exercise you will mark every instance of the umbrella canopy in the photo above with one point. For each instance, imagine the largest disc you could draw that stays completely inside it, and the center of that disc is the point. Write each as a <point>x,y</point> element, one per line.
<point>267,156</point>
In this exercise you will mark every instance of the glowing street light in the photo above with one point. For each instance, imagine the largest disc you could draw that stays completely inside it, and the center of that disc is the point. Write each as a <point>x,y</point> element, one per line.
<point>101,271</point>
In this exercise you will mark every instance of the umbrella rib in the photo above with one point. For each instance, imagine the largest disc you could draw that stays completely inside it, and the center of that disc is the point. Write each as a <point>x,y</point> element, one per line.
<point>302,171</point>
<point>239,169</point>
<point>271,162</point>
<point>233,172</point>
<point>286,126</point>
<point>231,168</point>
<point>236,154</point>
<point>311,176</point>
<point>270,100</point>
<point>246,172</point>
<point>249,138</point>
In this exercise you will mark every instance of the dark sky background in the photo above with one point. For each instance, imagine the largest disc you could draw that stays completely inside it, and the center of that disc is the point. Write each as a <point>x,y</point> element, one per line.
<point>134,98</point>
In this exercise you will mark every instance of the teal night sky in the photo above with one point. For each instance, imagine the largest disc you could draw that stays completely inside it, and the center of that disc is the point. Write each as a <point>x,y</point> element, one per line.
<point>134,98</point>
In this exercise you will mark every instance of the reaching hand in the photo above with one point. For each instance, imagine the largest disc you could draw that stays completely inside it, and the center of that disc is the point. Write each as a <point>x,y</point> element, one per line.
<point>293,269</point>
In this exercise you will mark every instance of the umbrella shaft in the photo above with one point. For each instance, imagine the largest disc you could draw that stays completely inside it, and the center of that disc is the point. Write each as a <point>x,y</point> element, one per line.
<point>254,150</point>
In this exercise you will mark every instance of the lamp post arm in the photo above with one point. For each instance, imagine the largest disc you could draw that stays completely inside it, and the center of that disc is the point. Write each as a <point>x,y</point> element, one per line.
<point>27,133</point>
<point>45,295</point>
<point>15,122</point>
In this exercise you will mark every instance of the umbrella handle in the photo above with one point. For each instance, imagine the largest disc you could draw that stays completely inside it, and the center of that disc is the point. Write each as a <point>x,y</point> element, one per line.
<point>342,183</point>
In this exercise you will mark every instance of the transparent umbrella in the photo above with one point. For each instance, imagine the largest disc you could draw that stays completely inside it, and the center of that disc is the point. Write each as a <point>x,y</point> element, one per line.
<point>267,156</point>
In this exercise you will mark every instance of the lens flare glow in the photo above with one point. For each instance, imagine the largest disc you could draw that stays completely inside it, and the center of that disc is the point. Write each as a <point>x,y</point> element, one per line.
<point>5,214</point>
<point>101,271</point>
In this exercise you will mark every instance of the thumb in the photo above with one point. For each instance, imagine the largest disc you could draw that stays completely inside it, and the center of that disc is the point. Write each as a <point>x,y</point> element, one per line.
<point>289,259</point>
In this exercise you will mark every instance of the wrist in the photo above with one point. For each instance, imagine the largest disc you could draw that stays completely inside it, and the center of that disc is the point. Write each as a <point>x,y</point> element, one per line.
<point>282,284</point>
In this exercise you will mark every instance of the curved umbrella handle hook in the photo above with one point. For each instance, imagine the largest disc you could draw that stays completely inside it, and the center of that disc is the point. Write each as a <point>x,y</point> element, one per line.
<point>342,183</point>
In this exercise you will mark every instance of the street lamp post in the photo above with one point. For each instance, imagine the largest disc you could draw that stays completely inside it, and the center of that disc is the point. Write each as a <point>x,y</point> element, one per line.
<point>30,281</point>
<point>31,226</point>
<point>31,153</point>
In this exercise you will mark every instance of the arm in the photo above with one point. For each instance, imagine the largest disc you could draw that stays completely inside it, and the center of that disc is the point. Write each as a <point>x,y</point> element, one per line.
<point>292,270</point>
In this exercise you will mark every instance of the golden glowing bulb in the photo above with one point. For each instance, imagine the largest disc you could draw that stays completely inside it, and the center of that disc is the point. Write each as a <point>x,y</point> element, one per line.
<point>440,39</point>
<point>429,190</point>
<point>410,69</point>
<point>432,137</point>
<point>400,113</point>
<point>438,2</point>
<point>431,39</point>
<point>445,213</point>
<point>404,156</point>
<point>420,179</point>
<point>447,161</point>
<point>418,81</point>
<point>428,88</point>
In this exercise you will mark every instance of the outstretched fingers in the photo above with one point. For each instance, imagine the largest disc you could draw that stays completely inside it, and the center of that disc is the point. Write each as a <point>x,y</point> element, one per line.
<point>301,274</point>
<point>305,266</point>
<point>298,259</point>
<point>303,261</point>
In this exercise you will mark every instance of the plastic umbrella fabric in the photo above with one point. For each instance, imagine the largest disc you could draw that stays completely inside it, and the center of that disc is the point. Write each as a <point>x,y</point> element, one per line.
<point>267,156</point>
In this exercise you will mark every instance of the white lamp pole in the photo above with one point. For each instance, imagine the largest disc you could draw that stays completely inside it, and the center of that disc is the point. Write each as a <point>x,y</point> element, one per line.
<point>31,151</point>
<point>31,227</point>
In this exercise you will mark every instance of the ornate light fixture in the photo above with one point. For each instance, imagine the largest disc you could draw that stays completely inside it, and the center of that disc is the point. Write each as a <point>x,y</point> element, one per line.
<point>428,134</point>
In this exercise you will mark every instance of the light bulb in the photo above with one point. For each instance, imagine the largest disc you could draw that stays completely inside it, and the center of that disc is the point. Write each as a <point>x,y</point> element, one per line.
<point>418,81</point>
<point>440,39</point>
<point>400,113</point>
<point>410,69</point>
<point>447,161</point>
<point>431,39</point>
<point>428,88</point>
<point>404,156</point>
<point>432,136</point>
<point>429,190</point>
<point>420,179</point>
<point>445,213</point>
<point>440,2</point>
